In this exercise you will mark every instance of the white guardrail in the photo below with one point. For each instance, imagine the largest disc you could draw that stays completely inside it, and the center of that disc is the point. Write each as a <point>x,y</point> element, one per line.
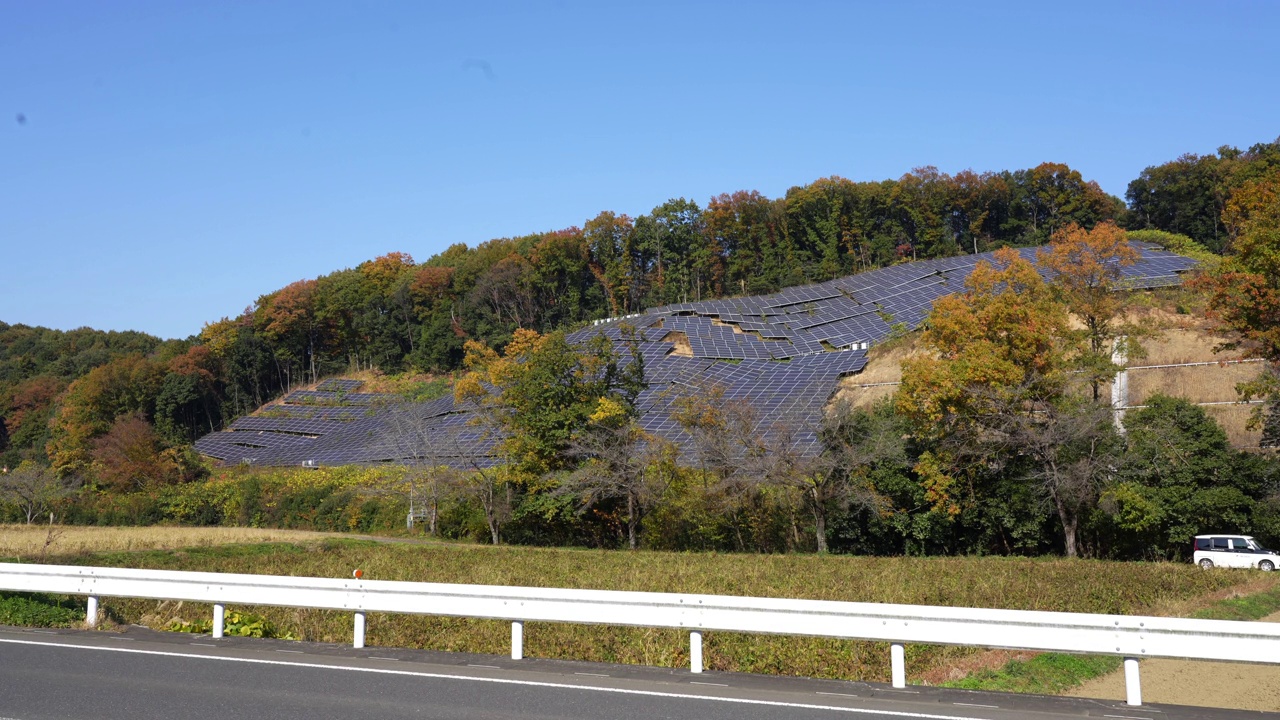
<point>1131,637</point>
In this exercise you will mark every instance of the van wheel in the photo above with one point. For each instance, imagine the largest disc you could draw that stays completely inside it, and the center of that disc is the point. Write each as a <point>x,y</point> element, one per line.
<point>1266,566</point>
<point>1206,563</point>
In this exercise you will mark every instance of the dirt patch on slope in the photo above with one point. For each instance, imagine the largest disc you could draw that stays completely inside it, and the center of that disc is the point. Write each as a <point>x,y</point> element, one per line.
<point>681,341</point>
<point>880,378</point>
<point>1237,686</point>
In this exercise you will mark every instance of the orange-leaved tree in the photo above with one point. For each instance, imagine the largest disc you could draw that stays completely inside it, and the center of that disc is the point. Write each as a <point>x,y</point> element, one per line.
<point>1244,291</point>
<point>993,395</point>
<point>1087,268</point>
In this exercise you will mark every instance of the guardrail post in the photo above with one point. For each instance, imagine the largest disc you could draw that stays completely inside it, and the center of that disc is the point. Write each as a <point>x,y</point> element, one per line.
<point>695,652</point>
<point>517,640</point>
<point>1132,682</point>
<point>898,659</point>
<point>217,620</point>
<point>91,612</point>
<point>358,641</point>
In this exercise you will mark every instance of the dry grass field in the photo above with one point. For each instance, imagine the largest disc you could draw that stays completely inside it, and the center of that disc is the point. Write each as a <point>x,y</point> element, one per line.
<point>35,541</point>
<point>1048,584</point>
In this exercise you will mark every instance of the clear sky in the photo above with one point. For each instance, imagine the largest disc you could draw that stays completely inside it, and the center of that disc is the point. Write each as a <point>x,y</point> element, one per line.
<point>162,164</point>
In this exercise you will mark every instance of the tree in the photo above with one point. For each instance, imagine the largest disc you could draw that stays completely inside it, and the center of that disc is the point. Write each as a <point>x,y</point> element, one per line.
<point>616,459</point>
<point>542,389</point>
<point>34,489</point>
<point>837,473</point>
<point>430,446</point>
<point>1244,291</point>
<point>1180,477</point>
<point>130,457</point>
<point>1088,269</point>
<point>996,387</point>
<point>124,387</point>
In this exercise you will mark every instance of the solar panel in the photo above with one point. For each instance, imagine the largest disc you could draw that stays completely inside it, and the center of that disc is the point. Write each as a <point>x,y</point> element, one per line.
<point>783,354</point>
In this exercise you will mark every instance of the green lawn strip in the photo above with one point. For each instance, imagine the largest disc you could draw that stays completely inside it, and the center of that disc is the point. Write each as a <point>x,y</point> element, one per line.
<point>1247,607</point>
<point>1045,674</point>
<point>1054,673</point>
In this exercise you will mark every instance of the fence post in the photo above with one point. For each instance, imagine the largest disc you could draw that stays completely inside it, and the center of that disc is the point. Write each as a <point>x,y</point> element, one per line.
<point>898,659</point>
<point>695,652</point>
<point>91,612</point>
<point>217,620</point>
<point>1132,682</point>
<point>358,641</point>
<point>517,640</point>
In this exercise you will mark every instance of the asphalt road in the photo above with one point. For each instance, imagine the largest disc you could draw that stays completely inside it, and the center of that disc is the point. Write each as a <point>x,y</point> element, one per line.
<point>143,674</point>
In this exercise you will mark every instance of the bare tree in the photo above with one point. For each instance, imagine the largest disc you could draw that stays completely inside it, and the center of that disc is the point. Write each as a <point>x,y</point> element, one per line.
<point>482,481</point>
<point>615,460</point>
<point>427,444</point>
<point>828,462</point>
<point>34,489</point>
<point>488,487</point>
<point>726,445</point>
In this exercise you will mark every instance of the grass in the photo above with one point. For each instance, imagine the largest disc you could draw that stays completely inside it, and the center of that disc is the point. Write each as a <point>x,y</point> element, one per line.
<point>1054,673</point>
<point>40,541</point>
<point>1246,607</point>
<point>1019,583</point>
<point>40,610</point>
<point>1045,674</point>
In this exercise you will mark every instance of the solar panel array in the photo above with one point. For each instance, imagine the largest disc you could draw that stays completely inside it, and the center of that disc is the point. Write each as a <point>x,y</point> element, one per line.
<point>783,354</point>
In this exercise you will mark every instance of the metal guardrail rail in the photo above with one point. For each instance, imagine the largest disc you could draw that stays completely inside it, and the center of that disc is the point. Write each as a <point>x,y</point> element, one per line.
<point>1132,637</point>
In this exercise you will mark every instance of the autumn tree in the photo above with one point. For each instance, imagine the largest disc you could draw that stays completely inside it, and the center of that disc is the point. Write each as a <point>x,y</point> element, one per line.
<point>995,386</point>
<point>1244,291</point>
<point>125,387</point>
<point>542,389</point>
<point>1087,268</point>
<point>130,456</point>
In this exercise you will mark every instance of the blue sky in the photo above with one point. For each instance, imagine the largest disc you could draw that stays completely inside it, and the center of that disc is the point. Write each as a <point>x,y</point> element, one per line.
<point>164,164</point>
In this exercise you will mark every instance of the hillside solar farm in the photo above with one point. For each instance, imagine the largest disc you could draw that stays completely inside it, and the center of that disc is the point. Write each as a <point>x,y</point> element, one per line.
<point>783,353</point>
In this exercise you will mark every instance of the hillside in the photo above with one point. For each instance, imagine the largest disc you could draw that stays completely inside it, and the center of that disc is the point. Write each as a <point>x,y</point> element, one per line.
<point>1180,361</point>
<point>779,356</point>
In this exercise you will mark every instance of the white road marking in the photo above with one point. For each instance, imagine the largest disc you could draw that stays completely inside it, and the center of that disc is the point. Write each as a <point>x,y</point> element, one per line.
<point>376,657</point>
<point>491,667</point>
<point>592,674</point>
<point>838,694</point>
<point>500,681</point>
<point>695,682</point>
<point>203,644</point>
<point>996,707</point>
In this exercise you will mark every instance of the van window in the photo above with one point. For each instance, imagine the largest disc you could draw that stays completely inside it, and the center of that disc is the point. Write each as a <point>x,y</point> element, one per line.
<point>1239,545</point>
<point>1203,543</point>
<point>1220,544</point>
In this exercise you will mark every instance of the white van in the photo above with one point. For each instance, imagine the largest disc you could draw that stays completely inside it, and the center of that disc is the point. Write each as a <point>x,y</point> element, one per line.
<point>1239,551</point>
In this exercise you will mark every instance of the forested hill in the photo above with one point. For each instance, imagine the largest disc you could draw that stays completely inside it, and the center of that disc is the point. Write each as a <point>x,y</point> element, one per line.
<point>76,398</point>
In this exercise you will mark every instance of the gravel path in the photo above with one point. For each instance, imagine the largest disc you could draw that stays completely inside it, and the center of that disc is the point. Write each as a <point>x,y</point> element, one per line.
<point>1189,682</point>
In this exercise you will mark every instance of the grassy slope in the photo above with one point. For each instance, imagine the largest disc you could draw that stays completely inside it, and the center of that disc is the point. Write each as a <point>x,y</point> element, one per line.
<point>1047,584</point>
<point>1053,673</point>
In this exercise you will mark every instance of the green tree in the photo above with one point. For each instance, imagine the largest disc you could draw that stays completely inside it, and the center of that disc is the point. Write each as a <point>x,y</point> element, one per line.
<point>1180,477</point>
